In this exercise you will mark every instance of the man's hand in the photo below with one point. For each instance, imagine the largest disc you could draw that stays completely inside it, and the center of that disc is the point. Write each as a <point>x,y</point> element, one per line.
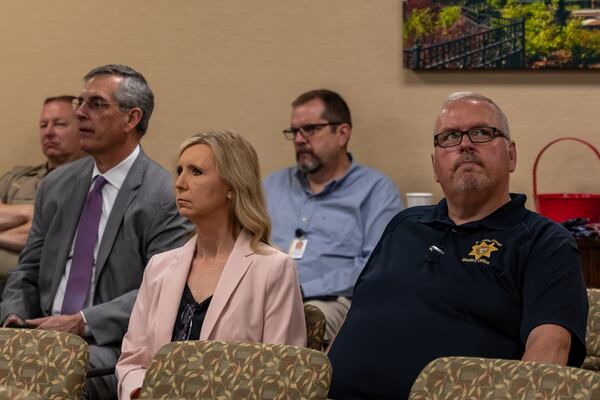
<point>65,323</point>
<point>15,320</point>
<point>13,215</point>
<point>15,222</point>
<point>14,239</point>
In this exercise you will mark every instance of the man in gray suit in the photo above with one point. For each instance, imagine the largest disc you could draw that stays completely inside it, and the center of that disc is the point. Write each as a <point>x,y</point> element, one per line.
<point>70,281</point>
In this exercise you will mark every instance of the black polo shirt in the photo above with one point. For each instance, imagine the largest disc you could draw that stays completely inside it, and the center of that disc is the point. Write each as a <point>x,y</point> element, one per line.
<point>497,279</point>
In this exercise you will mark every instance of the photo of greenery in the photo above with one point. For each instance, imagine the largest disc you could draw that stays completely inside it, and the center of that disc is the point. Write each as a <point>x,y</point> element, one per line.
<point>501,34</point>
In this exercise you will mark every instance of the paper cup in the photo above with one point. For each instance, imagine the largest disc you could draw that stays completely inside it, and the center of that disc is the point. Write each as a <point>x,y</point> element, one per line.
<point>418,199</point>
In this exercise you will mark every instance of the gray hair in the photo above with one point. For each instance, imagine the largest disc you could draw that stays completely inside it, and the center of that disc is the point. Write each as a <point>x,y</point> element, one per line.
<point>133,91</point>
<point>456,96</point>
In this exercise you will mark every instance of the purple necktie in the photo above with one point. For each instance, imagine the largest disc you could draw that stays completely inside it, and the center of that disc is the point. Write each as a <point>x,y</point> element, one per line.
<point>78,284</point>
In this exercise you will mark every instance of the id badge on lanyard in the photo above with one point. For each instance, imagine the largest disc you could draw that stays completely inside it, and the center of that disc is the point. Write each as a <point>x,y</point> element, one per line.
<point>298,245</point>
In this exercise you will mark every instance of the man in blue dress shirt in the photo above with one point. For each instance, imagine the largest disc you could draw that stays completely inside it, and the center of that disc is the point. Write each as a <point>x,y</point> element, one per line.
<point>328,211</point>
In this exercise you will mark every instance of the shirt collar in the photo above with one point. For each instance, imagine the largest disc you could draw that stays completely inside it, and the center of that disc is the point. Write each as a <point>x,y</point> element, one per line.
<point>504,217</point>
<point>301,176</point>
<point>44,170</point>
<point>117,174</point>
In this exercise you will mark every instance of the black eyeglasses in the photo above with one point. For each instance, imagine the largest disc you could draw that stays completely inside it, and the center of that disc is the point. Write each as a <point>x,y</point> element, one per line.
<point>306,130</point>
<point>93,103</point>
<point>482,134</point>
<point>187,319</point>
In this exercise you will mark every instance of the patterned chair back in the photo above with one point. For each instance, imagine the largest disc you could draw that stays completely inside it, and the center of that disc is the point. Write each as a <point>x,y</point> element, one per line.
<point>50,364</point>
<point>236,370</point>
<point>592,338</point>
<point>315,327</point>
<point>481,378</point>
<point>11,393</point>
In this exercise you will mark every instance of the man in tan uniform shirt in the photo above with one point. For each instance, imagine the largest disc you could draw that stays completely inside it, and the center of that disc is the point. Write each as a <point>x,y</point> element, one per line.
<point>59,137</point>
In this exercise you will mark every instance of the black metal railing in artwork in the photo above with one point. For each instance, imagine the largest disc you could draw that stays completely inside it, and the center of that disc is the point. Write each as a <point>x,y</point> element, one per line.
<point>482,15</point>
<point>589,4</point>
<point>499,44</point>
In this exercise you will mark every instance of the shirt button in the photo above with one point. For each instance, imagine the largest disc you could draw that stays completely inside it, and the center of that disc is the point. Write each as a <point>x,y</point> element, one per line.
<point>304,219</point>
<point>453,230</point>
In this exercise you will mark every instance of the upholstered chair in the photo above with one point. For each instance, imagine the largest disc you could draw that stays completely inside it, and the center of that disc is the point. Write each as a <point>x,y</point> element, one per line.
<point>236,371</point>
<point>315,327</point>
<point>592,338</point>
<point>50,364</point>
<point>480,378</point>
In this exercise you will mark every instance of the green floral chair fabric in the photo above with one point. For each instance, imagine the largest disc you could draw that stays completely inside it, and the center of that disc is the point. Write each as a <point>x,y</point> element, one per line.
<point>11,393</point>
<point>481,378</point>
<point>236,370</point>
<point>315,327</point>
<point>50,364</point>
<point>592,339</point>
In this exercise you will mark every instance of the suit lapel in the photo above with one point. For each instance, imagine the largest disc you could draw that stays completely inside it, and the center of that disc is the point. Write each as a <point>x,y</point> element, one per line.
<point>74,199</point>
<point>126,194</point>
<point>235,268</point>
<point>175,277</point>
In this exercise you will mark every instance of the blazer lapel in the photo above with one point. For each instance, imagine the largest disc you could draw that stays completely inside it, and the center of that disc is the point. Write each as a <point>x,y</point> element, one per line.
<point>126,194</point>
<point>235,268</point>
<point>74,199</point>
<point>175,277</point>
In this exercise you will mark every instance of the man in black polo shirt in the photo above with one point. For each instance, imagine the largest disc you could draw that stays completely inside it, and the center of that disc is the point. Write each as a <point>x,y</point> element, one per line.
<point>476,275</point>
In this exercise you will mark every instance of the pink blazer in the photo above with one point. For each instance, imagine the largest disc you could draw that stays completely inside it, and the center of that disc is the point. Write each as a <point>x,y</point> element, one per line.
<point>257,299</point>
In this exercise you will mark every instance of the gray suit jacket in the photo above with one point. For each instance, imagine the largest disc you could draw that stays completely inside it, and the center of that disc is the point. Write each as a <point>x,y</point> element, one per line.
<point>143,221</point>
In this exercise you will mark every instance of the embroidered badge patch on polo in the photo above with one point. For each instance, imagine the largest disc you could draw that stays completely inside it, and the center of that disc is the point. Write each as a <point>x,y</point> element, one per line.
<point>482,251</point>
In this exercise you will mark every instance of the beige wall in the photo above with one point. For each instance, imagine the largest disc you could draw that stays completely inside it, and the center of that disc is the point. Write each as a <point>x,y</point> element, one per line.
<point>239,63</point>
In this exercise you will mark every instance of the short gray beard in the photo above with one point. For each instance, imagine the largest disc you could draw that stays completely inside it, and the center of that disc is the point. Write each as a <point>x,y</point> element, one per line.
<point>309,166</point>
<point>471,184</point>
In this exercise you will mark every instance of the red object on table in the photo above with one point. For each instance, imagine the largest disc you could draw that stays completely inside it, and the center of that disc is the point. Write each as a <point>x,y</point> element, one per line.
<point>563,206</point>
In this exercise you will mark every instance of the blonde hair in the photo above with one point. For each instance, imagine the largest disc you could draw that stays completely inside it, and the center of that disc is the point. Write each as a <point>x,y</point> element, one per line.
<point>237,163</point>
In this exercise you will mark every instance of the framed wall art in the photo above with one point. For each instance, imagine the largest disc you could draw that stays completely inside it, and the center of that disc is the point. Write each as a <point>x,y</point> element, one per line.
<point>501,34</point>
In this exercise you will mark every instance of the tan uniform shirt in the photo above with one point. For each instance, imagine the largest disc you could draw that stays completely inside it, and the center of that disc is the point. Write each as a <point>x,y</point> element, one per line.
<point>18,186</point>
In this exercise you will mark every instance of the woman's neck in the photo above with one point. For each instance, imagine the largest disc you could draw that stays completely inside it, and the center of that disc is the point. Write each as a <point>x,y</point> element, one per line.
<point>215,241</point>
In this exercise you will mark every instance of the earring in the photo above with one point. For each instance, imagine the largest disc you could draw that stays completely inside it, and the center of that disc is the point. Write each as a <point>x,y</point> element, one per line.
<point>228,196</point>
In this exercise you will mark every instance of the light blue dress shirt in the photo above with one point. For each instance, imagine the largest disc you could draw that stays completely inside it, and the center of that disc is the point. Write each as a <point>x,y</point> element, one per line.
<point>342,224</point>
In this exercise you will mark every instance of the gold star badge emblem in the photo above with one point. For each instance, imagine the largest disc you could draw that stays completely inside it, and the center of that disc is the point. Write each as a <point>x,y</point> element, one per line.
<point>482,249</point>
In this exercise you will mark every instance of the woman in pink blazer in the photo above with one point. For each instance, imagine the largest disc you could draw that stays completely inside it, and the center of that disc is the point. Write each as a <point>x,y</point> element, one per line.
<point>227,282</point>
